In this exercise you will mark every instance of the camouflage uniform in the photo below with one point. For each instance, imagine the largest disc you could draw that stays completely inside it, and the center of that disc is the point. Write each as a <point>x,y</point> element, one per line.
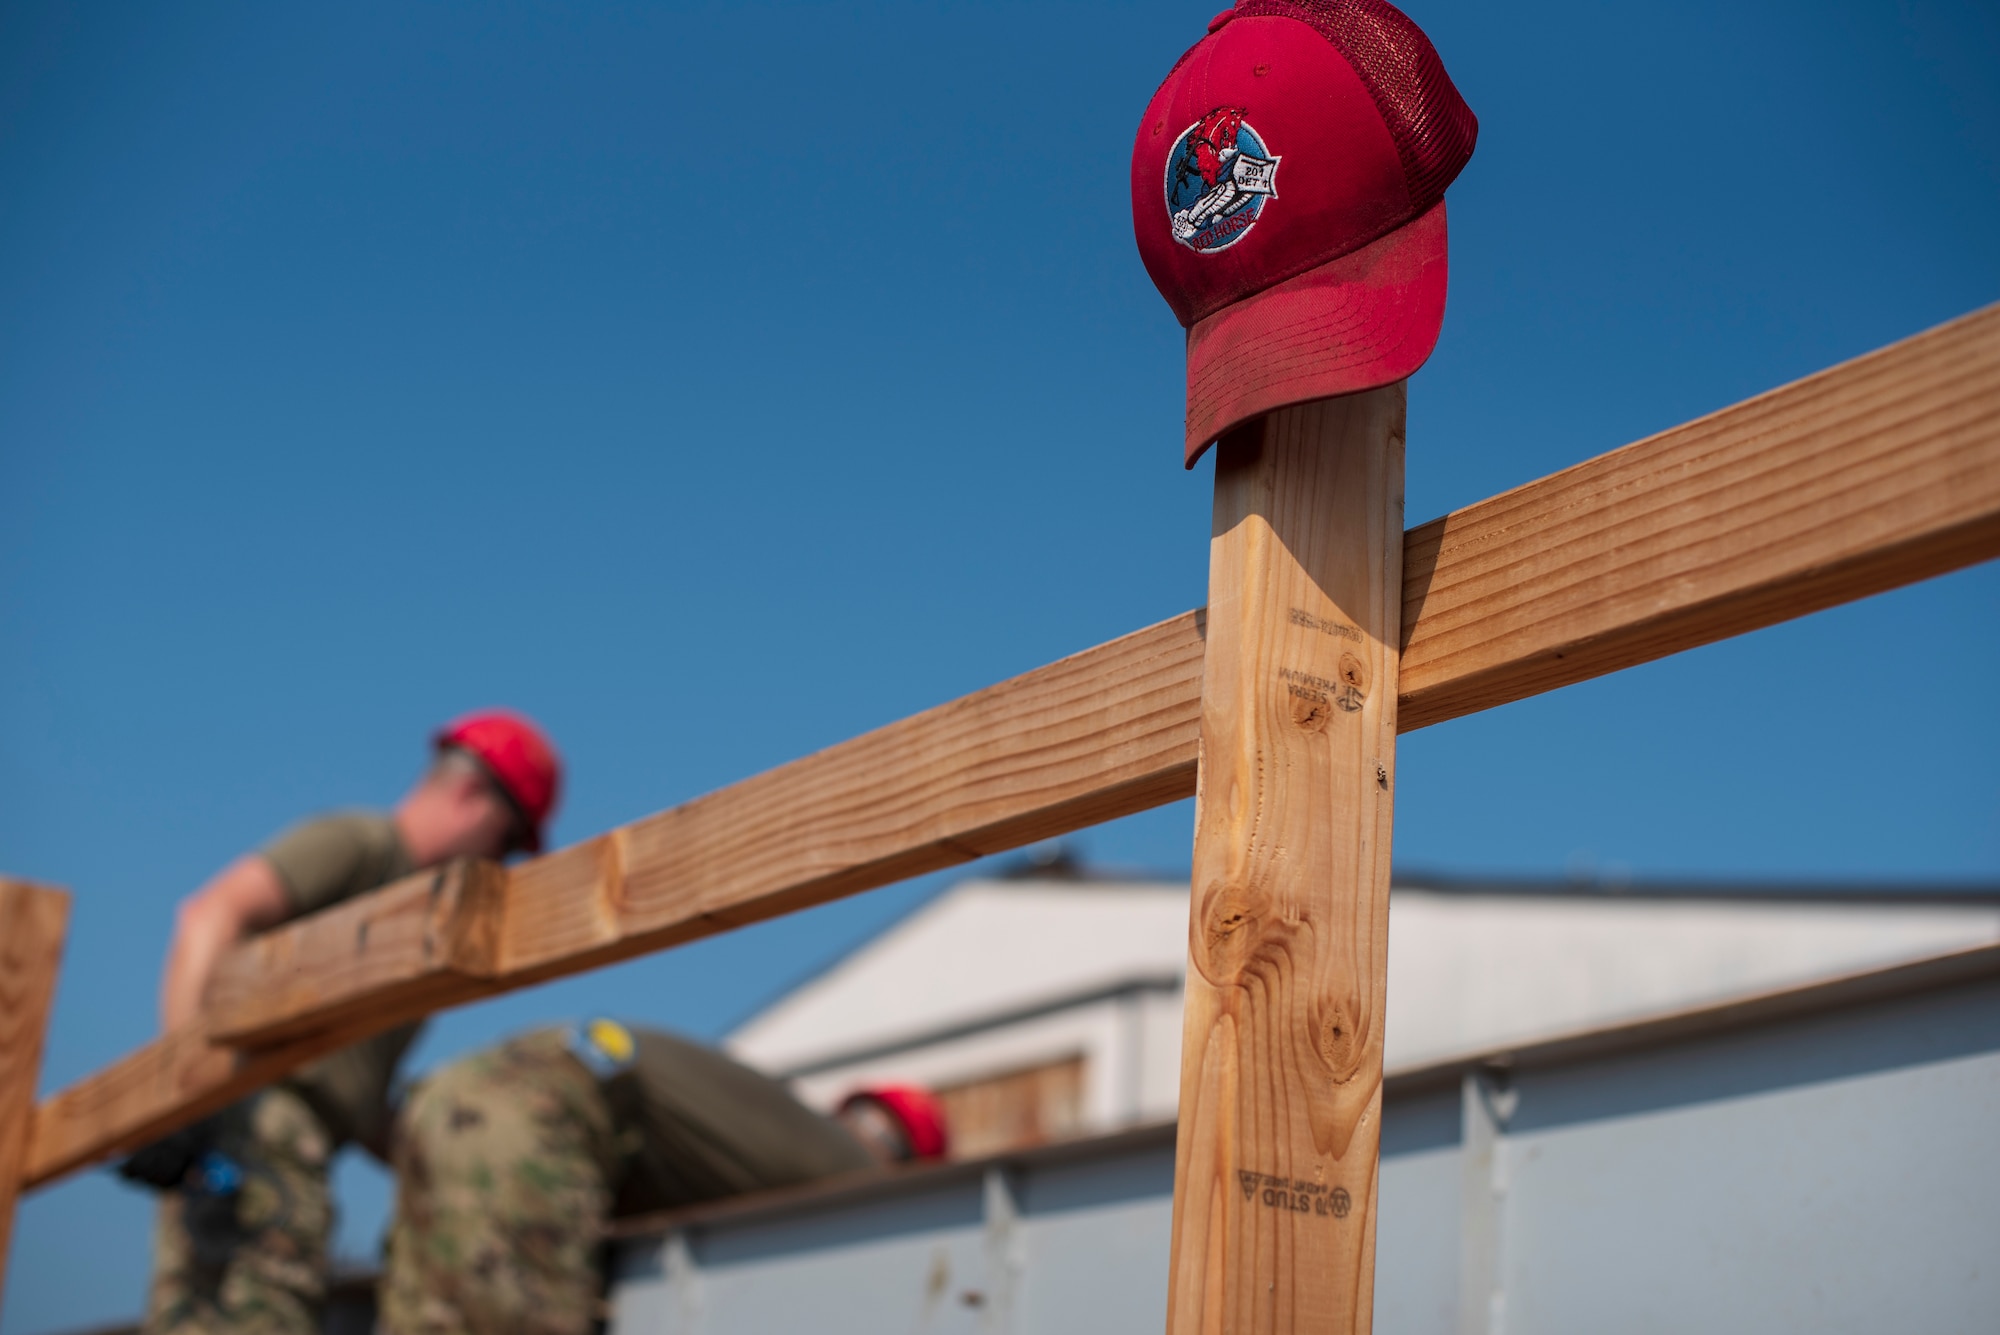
<point>254,1264</point>
<point>504,1166</point>
<point>257,1265</point>
<point>509,1163</point>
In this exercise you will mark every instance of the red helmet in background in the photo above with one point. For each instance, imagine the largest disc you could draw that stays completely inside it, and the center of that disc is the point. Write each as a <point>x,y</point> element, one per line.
<point>916,1111</point>
<point>520,758</point>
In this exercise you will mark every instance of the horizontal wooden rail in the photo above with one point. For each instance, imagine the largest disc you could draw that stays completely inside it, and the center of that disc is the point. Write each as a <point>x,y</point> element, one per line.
<point>1871,475</point>
<point>1094,736</point>
<point>1874,474</point>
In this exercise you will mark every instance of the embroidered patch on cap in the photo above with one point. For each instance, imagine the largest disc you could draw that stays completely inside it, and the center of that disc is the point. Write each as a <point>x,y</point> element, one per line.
<point>1219,177</point>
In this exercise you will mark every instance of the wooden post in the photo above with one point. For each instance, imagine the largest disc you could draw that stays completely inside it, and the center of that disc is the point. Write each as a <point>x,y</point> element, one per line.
<point>33,919</point>
<point>1281,1069</point>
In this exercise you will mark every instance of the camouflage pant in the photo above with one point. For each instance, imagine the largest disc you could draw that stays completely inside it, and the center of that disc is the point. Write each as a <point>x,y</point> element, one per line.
<point>503,1161</point>
<point>258,1268</point>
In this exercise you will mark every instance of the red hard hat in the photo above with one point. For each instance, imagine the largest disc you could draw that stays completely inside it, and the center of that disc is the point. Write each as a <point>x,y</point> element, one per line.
<point>917,1111</point>
<point>519,755</point>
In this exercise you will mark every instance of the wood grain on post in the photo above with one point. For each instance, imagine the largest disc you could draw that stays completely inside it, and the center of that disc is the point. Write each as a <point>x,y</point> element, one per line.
<point>1281,1063</point>
<point>33,919</point>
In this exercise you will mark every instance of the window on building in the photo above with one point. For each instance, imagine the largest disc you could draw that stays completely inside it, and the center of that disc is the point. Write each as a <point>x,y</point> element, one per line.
<point>1014,1109</point>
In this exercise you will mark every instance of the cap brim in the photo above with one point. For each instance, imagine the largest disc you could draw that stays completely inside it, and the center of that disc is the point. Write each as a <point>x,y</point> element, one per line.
<point>1367,319</point>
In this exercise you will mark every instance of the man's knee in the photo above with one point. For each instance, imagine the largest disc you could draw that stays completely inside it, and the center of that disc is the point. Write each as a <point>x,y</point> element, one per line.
<point>484,1122</point>
<point>245,1252</point>
<point>501,1197</point>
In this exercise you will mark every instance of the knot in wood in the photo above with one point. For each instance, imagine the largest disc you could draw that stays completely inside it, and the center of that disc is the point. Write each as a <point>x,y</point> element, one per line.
<point>1310,711</point>
<point>1353,691</point>
<point>1338,1038</point>
<point>1227,930</point>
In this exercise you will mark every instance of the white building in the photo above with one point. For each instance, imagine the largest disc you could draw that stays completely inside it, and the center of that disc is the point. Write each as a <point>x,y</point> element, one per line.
<point>1048,1003</point>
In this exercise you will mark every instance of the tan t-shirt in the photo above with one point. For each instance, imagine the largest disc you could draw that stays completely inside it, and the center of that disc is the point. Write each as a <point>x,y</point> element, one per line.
<point>323,861</point>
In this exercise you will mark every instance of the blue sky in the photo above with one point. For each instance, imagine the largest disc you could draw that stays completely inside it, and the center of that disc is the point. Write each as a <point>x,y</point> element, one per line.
<point>717,382</point>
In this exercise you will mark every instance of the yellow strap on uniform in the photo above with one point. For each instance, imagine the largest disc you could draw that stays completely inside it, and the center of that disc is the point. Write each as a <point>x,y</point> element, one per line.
<point>605,1046</point>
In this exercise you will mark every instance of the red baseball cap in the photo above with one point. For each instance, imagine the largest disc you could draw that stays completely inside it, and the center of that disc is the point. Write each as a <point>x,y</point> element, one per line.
<point>1288,195</point>
<point>520,758</point>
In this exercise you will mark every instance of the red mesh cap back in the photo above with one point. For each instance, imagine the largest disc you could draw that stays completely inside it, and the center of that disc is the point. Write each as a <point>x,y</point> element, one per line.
<point>1288,184</point>
<point>1432,127</point>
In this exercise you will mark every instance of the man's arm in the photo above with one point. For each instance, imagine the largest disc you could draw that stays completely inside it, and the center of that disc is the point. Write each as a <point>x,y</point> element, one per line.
<point>243,899</point>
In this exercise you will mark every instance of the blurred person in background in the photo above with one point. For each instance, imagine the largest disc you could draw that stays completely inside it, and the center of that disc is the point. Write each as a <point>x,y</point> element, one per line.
<point>245,1214</point>
<point>511,1164</point>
